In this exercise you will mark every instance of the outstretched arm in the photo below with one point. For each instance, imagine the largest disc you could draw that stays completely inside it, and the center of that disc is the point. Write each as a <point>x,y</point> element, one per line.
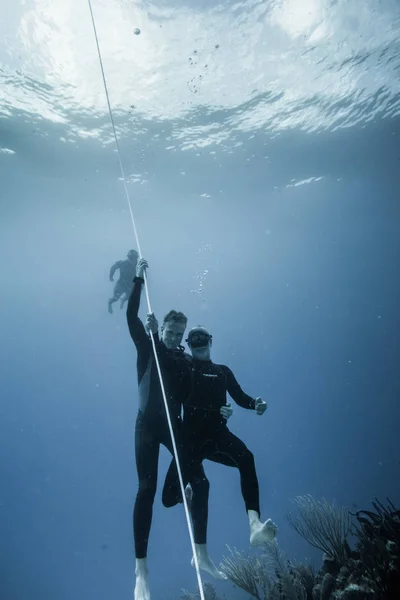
<point>114,268</point>
<point>236,392</point>
<point>136,327</point>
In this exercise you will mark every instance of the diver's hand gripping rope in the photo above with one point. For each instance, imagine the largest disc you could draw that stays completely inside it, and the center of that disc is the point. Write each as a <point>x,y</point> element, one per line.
<point>199,580</point>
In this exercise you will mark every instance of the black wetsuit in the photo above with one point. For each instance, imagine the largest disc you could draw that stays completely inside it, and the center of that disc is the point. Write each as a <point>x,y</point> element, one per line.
<point>206,436</point>
<point>151,428</point>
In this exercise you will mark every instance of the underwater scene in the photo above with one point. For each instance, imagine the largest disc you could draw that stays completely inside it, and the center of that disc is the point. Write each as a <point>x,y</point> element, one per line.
<point>199,325</point>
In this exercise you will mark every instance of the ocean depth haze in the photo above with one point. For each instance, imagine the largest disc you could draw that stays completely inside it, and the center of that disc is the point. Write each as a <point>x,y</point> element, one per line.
<point>260,145</point>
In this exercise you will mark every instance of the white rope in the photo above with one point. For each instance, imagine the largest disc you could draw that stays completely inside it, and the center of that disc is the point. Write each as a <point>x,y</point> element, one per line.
<point>175,450</point>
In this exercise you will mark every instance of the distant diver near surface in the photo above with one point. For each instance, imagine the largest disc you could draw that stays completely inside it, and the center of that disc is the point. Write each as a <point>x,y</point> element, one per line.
<point>151,429</point>
<point>123,287</point>
<point>206,436</point>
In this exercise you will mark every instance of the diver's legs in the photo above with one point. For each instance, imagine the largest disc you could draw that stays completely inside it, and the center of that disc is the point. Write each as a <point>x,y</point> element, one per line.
<point>171,494</point>
<point>228,449</point>
<point>126,294</point>
<point>227,445</point>
<point>147,448</point>
<point>198,491</point>
<point>124,298</point>
<point>118,291</point>
<point>196,486</point>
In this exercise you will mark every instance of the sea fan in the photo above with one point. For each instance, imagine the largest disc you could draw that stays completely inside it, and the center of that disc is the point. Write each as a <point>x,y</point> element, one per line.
<point>323,525</point>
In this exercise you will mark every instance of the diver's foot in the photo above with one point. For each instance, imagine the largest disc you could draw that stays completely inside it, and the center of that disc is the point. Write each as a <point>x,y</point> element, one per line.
<point>142,591</point>
<point>189,495</point>
<point>262,533</point>
<point>110,310</point>
<point>206,564</point>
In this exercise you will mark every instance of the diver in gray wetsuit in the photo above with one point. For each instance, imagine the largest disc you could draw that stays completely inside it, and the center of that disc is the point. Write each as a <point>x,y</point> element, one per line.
<point>123,287</point>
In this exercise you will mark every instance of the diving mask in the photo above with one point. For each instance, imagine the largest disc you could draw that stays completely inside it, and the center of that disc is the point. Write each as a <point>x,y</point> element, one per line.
<point>198,338</point>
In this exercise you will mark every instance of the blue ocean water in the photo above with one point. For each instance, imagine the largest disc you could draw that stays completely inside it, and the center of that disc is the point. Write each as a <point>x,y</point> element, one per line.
<point>260,142</point>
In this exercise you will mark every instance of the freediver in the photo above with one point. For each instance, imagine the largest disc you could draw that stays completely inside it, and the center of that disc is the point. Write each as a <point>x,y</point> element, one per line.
<point>206,436</point>
<point>151,429</point>
<point>123,286</point>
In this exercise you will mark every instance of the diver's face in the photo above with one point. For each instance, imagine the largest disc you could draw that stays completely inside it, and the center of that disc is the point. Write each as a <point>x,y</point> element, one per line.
<point>199,341</point>
<point>201,353</point>
<point>172,334</point>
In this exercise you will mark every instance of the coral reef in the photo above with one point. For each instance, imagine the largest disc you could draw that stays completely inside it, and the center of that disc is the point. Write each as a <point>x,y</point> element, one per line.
<point>369,571</point>
<point>323,525</point>
<point>209,593</point>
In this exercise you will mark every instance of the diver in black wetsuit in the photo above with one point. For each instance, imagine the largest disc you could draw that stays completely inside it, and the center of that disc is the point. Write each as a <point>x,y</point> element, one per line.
<point>151,428</point>
<point>123,287</point>
<point>206,436</point>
